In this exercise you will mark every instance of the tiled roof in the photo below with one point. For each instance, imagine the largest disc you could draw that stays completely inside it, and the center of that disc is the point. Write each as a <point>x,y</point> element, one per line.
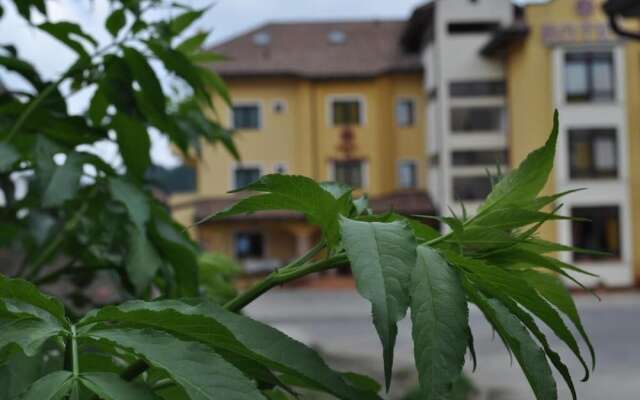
<point>305,49</point>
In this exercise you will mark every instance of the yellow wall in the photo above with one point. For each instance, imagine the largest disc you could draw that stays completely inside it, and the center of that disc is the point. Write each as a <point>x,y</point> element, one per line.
<point>306,142</point>
<point>633,112</point>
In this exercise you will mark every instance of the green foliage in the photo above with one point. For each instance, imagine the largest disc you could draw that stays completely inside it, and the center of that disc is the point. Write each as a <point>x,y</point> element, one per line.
<point>96,207</point>
<point>81,215</point>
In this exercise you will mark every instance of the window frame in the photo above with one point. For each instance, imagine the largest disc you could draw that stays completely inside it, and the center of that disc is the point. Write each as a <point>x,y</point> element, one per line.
<point>616,257</point>
<point>400,164</point>
<point>502,119</point>
<point>263,249</point>
<point>364,171</point>
<point>504,153</point>
<point>247,103</point>
<point>593,133</point>
<point>414,116</point>
<point>360,99</point>
<point>238,166</point>
<point>475,88</point>
<point>589,53</point>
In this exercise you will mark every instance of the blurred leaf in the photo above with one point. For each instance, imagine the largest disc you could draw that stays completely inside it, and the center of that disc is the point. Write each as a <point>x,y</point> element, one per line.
<point>98,106</point>
<point>133,198</point>
<point>8,156</point>
<point>17,373</point>
<point>212,79</point>
<point>24,69</point>
<point>64,183</point>
<point>193,43</point>
<point>134,144</point>
<point>146,77</point>
<point>382,256</point>
<point>116,21</point>
<point>143,260</point>
<point>439,316</point>
<point>65,32</point>
<point>184,20</point>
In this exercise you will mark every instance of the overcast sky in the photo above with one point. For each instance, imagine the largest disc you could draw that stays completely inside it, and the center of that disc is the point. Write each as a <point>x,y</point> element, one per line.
<point>226,19</point>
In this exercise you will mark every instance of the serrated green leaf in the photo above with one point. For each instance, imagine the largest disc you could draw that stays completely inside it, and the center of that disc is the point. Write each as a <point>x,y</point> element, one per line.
<point>116,21</point>
<point>210,324</point>
<point>143,260</point>
<point>184,20</point>
<point>531,358</point>
<point>134,144</point>
<point>290,192</point>
<point>499,283</point>
<point>146,77</point>
<point>524,183</point>
<point>133,198</point>
<point>552,289</point>
<point>8,156</point>
<point>50,387</point>
<point>440,319</point>
<point>108,386</point>
<point>382,256</point>
<point>26,292</point>
<point>64,183</point>
<point>193,43</point>
<point>514,217</point>
<point>202,373</point>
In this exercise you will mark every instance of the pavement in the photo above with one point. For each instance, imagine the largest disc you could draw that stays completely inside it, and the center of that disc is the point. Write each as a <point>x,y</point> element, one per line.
<point>338,324</point>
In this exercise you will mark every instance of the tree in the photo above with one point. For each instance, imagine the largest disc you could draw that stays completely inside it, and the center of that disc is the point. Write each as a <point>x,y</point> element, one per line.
<point>81,215</point>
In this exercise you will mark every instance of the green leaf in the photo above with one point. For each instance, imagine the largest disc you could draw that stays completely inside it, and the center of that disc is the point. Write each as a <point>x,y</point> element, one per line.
<point>176,248</point>
<point>143,260</point>
<point>556,293</point>
<point>66,32</point>
<point>146,77</point>
<point>290,192</point>
<point>133,198</point>
<point>8,156</point>
<point>98,106</point>
<point>225,331</point>
<point>26,292</point>
<point>25,69</point>
<point>531,358</point>
<point>134,143</point>
<point>202,373</point>
<point>184,20</point>
<point>109,386</point>
<point>50,387</point>
<point>439,316</point>
<point>502,283</point>
<point>382,256</point>
<point>524,183</point>
<point>18,373</point>
<point>26,333</point>
<point>215,82</point>
<point>116,21</point>
<point>514,217</point>
<point>193,43</point>
<point>64,183</point>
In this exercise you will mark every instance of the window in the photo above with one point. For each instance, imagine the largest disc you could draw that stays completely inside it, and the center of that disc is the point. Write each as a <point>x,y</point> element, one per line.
<point>593,153</point>
<point>248,245</point>
<point>477,88</point>
<point>243,176</point>
<point>480,157</point>
<point>470,119</point>
<point>462,28</point>
<point>407,175</point>
<point>600,233</point>
<point>471,188</point>
<point>434,160</point>
<point>349,172</point>
<point>589,76</point>
<point>246,116</point>
<point>346,112</point>
<point>405,112</point>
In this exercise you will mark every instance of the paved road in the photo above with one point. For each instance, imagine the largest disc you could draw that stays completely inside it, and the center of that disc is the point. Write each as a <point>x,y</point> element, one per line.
<point>338,324</point>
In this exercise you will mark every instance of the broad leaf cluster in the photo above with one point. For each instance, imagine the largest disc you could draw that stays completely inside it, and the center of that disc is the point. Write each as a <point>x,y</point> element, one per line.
<point>493,259</point>
<point>71,214</point>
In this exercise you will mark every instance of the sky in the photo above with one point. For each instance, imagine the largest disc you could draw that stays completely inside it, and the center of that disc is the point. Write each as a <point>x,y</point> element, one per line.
<point>226,18</point>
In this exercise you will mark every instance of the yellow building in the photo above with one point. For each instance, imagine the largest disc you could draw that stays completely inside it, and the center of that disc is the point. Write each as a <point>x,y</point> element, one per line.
<point>562,55</point>
<point>332,101</point>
